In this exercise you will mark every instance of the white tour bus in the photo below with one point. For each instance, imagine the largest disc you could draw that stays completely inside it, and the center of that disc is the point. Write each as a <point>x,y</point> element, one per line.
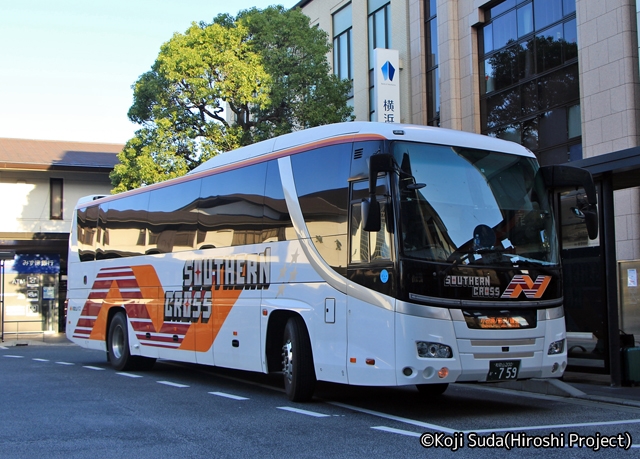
<point>358,253</point>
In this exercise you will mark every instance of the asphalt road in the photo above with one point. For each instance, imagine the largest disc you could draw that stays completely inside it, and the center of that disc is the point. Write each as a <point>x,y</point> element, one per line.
<point>67,402</point>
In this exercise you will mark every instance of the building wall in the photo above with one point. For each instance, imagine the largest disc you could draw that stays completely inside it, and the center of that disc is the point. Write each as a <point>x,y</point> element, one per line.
<point>28,209</point>
<point>320,14</point>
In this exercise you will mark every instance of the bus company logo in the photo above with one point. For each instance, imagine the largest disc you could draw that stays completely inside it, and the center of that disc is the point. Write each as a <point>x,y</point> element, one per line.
<point>201,278</point>
<point>523,283</point>
<point>480,285</point>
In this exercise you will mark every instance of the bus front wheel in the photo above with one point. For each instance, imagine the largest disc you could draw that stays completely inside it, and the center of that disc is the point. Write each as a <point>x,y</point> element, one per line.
<point>297,361</point>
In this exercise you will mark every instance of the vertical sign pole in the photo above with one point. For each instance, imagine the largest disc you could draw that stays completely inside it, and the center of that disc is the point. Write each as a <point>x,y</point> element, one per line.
<point>386,80</point>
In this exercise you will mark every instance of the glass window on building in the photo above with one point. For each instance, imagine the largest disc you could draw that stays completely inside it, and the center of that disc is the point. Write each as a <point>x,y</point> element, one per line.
<point>342,46</point>
<point>56,204</point>
<point>432,72</point>
<point>379,26</point>
<point>529,77</point>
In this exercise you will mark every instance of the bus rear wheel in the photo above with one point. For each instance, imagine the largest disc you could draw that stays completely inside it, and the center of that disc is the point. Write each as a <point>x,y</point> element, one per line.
<point>118,347</point>
<point>297,361</point>
<point>432,390</point>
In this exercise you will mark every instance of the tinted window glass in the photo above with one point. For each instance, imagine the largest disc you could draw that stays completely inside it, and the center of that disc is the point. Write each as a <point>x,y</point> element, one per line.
<point>127,226</point>
<point>277,222</point>
<point>505,29</point>
<point>231,208</point>
<point>369,246</point>
<point>549,48</point>
<point>525,20</point>
<point>87,221</point>
<point>321,182</point>
<point>102,237</point>
<point>546,12</point>
<point>173,218</point>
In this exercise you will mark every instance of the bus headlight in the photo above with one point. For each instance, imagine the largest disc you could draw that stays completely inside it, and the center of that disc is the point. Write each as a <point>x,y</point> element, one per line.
<point>557,347</point>
<point>433,350</point>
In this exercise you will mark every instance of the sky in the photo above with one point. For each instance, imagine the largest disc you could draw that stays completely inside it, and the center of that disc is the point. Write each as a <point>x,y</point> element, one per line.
<point>67,66</point>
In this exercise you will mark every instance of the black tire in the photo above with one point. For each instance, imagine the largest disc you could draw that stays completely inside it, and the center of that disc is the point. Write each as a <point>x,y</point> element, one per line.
<point>297,361</point>
<point>432,390</point>
<point>118,353</point>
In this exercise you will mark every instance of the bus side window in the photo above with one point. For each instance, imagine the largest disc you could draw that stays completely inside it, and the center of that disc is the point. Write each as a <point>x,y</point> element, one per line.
<point>321,177</point>
<point>87,222</point>
<point>173,218</point>
<point>277,224</point>
<point>231,208</point>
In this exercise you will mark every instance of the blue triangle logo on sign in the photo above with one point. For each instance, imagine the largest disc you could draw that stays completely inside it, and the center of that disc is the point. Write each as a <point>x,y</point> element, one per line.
<point>388,71</point>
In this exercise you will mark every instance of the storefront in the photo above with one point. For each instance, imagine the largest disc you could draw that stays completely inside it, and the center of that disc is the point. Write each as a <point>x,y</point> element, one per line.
<point>31,295</point>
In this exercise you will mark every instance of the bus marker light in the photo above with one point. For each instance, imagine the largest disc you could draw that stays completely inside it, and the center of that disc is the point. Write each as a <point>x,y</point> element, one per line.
<point>264,312</point>
<point>370,361</point>
<point>352,360</point>
<point>443,372</point>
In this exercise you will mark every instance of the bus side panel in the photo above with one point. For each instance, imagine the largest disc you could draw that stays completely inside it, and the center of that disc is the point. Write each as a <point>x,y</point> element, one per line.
<point>371,344</point>
<point>324,311</point>
<point>237,344</point>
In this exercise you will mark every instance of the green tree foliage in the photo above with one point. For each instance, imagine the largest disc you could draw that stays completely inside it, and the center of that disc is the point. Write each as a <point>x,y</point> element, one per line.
<point>269,67</point>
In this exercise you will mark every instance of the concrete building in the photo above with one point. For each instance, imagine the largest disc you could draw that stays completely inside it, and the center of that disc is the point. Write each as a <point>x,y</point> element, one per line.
<point>558,76</point>
<point>40,183</point>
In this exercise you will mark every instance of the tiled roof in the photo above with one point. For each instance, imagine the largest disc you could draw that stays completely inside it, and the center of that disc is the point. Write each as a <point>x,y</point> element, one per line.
<point>48,154</point>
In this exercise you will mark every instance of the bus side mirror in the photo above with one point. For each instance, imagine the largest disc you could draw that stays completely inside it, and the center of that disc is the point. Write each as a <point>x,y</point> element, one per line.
<point>591,220</point>
<point>371,215</point>
<point>559,176</point>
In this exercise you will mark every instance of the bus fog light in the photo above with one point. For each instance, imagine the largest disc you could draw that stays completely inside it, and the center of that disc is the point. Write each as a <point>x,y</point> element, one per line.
<point>443,372</point>
<point>557,347</point>
<point>555,367</point>
<point>407,371</point>
<point>433,350</point>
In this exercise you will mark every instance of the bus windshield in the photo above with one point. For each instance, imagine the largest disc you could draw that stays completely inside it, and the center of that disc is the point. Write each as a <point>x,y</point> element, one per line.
<point>467,206</point>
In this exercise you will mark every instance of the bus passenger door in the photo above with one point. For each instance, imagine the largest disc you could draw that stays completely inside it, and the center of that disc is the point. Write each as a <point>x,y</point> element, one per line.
<point>370,304</point>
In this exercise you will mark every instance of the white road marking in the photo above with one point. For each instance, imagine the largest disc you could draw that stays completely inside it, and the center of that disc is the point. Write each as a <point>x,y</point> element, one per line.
<point>14,356</point>
<point>424,425</point>
<point>40,360</point>
<point>130,375</point>
<point>89,367</point>
<point>4,348</point>
<point>65,363</point>
<point>234,397</point>
<point>306,412</point>
<point>397,431</point>
<point>556,426</point>
<point>172,384</point>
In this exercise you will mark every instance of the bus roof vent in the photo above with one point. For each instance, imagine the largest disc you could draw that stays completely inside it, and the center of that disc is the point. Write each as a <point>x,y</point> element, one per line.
<point>357,154</point>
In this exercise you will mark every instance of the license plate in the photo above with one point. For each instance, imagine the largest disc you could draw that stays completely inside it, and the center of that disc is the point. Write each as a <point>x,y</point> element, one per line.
<point>503,370</point>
